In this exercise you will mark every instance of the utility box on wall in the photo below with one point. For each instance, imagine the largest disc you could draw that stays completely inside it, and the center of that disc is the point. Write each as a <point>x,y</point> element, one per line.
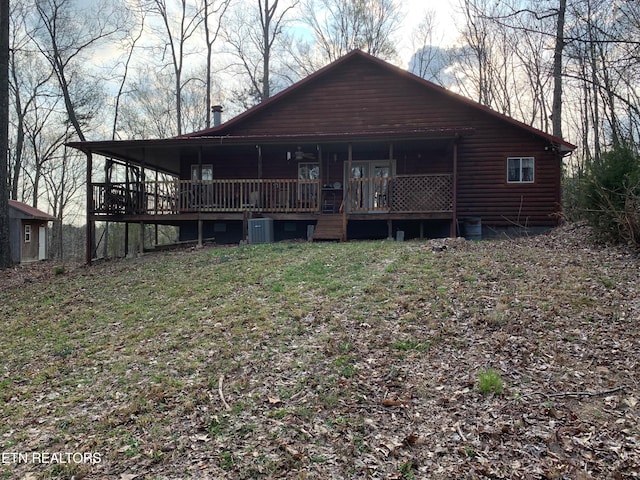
<point>260,230</point>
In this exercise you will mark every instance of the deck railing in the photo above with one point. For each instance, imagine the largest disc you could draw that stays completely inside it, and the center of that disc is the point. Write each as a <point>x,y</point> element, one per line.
<point>403,193</point>
<point>369,194</point>
<point>422,193</point>
<point>188,196</point>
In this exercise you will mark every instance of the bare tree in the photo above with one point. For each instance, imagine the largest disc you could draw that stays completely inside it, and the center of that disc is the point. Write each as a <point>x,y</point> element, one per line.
<point>28,78</point>
<point>213,17</point>
<point>129,46</point>
<point>64,180</point>
<point>64,42</point>
<point>267,16</point>
<point>28,85</point>
<point>147,111</point>
<point>484,63</point>
<point>339,26</point>
<point>603,52</point>
<point>556,109</point>
<point>181,20</point>
<point>534,83</point>
<point>428,59</point>
<point>509,42</point>
<point>43,139</point>
<point>252,35</point>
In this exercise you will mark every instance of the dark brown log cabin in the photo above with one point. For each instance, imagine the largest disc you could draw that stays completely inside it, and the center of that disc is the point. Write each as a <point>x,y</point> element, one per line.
<point>359,149</point>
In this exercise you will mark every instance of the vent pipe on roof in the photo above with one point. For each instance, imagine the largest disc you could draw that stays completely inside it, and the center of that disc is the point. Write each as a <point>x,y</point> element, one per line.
<point>217,115</point>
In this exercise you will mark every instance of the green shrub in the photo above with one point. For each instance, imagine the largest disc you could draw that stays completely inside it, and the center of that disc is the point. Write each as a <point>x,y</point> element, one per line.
<point>612,197</point>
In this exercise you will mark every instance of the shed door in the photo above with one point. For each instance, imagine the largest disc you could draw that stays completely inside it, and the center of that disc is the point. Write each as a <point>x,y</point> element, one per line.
<point>42,243</point>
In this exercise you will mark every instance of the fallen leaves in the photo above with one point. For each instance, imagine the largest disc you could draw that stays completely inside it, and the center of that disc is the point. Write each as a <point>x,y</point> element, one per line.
<point>273,365</point>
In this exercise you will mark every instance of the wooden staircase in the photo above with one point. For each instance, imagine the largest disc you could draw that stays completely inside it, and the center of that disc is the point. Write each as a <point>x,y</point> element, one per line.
<point>329,227</point>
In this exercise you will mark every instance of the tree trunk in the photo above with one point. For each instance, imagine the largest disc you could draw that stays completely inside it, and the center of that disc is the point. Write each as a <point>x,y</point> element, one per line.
<point>207,37</point>
<point>5,253</point>
<point>556,111</point>
<point>266,26</point>
<point>20,114</point>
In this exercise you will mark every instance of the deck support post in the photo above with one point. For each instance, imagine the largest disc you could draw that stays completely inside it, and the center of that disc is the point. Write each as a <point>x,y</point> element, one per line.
<point>200,225</point>
<point>91,225</point>
<point>141,238</point>
<point>126,239</point>
<point>389,229</point>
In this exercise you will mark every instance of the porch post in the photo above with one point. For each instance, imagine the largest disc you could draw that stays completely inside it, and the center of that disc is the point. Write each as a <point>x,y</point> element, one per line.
<point>141,197</point>
<point>454,216</point>
<point>90,227</point>
<point>155,196</point>
<point>199,232</point>
<point>155,202</point>
<point>346,200</point>
<point>347,190</point>
<point>142,187</point>
<point>259,148</point>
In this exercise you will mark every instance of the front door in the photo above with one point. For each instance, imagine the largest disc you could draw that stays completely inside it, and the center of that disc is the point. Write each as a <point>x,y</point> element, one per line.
<point>368,185</point>
<point>201,193</point>
<point>42,243</point>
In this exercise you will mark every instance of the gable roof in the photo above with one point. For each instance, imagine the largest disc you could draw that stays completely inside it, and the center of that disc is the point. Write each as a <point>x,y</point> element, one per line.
<point>227,128</point>
<point>29,211</point>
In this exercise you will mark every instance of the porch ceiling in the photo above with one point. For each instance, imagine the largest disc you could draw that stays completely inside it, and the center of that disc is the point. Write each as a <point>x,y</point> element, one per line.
<point>165,154</point>
<point>162,155</point>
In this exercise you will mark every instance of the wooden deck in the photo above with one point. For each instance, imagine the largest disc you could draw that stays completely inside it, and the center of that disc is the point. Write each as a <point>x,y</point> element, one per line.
<point>406,194</point>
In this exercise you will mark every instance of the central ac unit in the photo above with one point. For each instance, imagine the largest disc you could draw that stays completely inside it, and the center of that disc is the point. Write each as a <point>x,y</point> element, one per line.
<point>260,230</point>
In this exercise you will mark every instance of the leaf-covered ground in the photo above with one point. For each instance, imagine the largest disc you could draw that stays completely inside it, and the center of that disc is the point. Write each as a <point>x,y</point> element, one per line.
<point>328,361</point>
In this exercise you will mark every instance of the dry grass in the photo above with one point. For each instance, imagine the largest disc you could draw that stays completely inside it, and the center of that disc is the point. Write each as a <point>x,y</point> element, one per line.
<point>355,360</point>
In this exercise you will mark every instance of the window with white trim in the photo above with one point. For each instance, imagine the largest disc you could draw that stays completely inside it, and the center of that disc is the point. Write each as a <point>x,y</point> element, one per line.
<point>201,172</point>
<point>309,171</point>
<point>27,233</point>
<point>520,169</point>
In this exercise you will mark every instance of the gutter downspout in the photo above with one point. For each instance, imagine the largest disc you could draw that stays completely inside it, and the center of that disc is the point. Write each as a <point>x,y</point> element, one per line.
<point>454,218</point>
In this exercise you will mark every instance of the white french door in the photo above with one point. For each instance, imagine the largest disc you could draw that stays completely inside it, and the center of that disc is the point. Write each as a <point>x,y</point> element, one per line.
<point>368,185</point>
